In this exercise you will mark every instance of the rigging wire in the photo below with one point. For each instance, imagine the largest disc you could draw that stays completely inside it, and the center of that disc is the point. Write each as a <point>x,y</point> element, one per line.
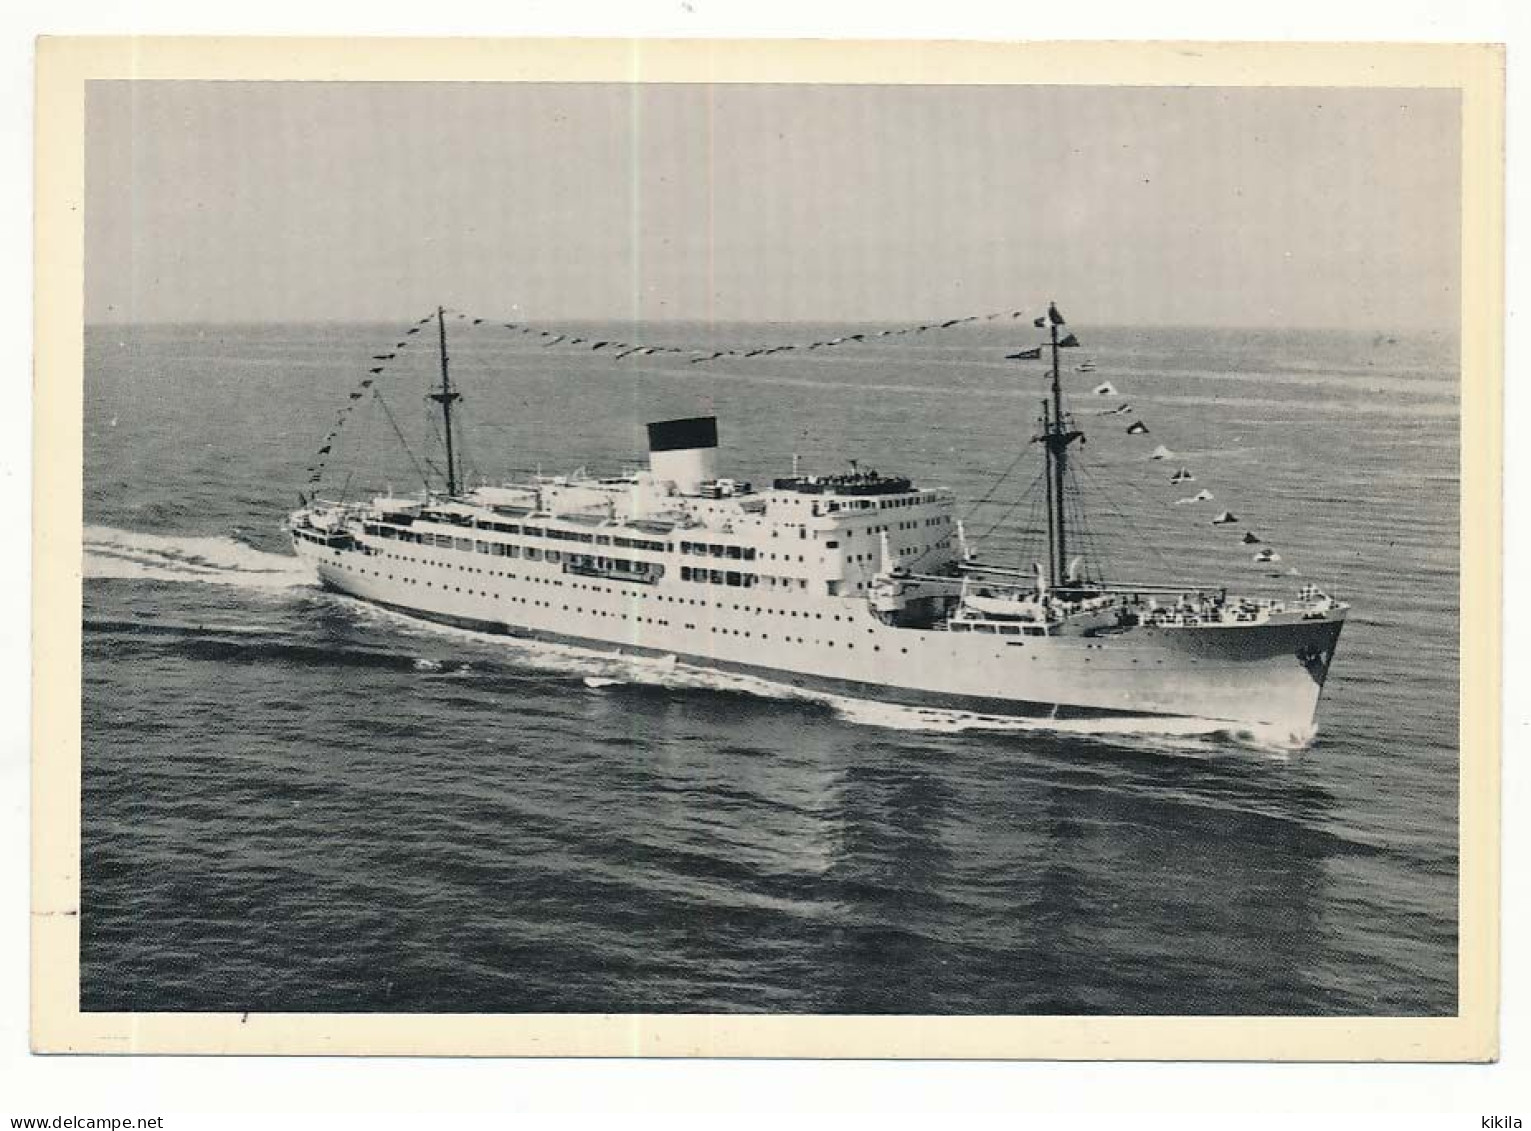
<point>399,432</point>
<point>1132,527</point>
<point>1031,531</point>
<point>1083,532</point>
<point>468,426</point>
<point>995,486</point>
<point>360,443</point>
<point>433,422</point>
<point>466,464</point>
<point>1022,497</point>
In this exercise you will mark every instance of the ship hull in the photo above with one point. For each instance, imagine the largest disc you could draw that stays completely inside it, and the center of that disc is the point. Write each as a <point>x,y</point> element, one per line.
<point>1268,675</point>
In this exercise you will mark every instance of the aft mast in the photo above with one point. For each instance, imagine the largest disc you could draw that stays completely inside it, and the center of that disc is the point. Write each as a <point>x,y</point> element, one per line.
<point>1056,438</point>
<point>447,396</point>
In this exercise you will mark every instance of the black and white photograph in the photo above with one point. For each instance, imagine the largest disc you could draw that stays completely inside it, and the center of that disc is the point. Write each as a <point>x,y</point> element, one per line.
<point>806,548</point>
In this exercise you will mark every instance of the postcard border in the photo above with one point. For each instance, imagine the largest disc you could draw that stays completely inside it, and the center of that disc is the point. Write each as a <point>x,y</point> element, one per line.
<point>63,68</point>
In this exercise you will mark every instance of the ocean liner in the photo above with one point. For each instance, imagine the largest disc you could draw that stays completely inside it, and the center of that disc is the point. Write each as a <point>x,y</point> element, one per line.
<point>857,584</point>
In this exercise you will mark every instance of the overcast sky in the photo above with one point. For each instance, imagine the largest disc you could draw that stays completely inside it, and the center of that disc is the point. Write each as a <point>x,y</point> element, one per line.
<point>357,201</point>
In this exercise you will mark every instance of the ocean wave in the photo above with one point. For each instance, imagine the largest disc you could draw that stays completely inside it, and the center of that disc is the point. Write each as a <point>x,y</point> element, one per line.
<point>1161,734</point>
<point>134,555</point>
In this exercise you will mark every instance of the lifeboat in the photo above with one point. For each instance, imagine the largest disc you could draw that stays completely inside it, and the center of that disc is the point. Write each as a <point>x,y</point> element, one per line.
<point>1010,606</point>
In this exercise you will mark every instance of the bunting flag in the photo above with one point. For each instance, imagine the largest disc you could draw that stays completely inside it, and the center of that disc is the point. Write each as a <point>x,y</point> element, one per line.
<point>315,471</point>
<point>622,350</point>
<point>1138,427</point>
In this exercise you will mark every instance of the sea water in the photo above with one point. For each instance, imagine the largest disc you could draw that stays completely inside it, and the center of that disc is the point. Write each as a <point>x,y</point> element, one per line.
<point>293,801</point>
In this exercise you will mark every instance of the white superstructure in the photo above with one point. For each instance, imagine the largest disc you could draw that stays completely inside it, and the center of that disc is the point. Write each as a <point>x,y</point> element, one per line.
<point>851,584</point>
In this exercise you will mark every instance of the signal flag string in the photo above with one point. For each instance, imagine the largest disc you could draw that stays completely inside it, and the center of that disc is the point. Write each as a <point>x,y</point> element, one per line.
<point>1138,428</point>
<point>619,350</point>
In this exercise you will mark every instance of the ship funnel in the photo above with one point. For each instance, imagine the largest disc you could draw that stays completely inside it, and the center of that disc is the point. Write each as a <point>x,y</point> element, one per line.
<point>685,452</point>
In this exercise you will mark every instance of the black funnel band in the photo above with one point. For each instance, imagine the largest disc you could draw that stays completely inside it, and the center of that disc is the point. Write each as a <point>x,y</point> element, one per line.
<point>683,435</point>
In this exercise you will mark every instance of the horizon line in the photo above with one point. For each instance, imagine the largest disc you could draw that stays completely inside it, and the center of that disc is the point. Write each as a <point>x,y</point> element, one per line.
<point>1357,327</point>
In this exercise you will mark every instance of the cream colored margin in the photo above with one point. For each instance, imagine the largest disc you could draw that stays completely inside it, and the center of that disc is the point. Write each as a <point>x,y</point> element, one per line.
<point>63,66</point>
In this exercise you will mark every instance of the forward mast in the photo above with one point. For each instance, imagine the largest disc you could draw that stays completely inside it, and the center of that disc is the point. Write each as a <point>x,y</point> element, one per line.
<point>446,396</point>
<point>1057,435</point>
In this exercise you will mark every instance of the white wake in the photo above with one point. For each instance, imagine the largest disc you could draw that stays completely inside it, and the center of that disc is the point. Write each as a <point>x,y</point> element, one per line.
<point>133,555</point>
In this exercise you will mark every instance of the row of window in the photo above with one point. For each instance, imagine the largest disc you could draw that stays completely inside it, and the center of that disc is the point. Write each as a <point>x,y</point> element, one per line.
<point>319,539</point>
<point>702,549</point>
<point>535,554</point>
<point>833,505</point>
<point>719,577</point>
<point>1000,629</point>
<point>620,569</point>
<point>545,532</point>
<point>615,567</point>
<point>686,547</point>
<point>634,543</point>
<point>712,549</point>
<point>696,575</point>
